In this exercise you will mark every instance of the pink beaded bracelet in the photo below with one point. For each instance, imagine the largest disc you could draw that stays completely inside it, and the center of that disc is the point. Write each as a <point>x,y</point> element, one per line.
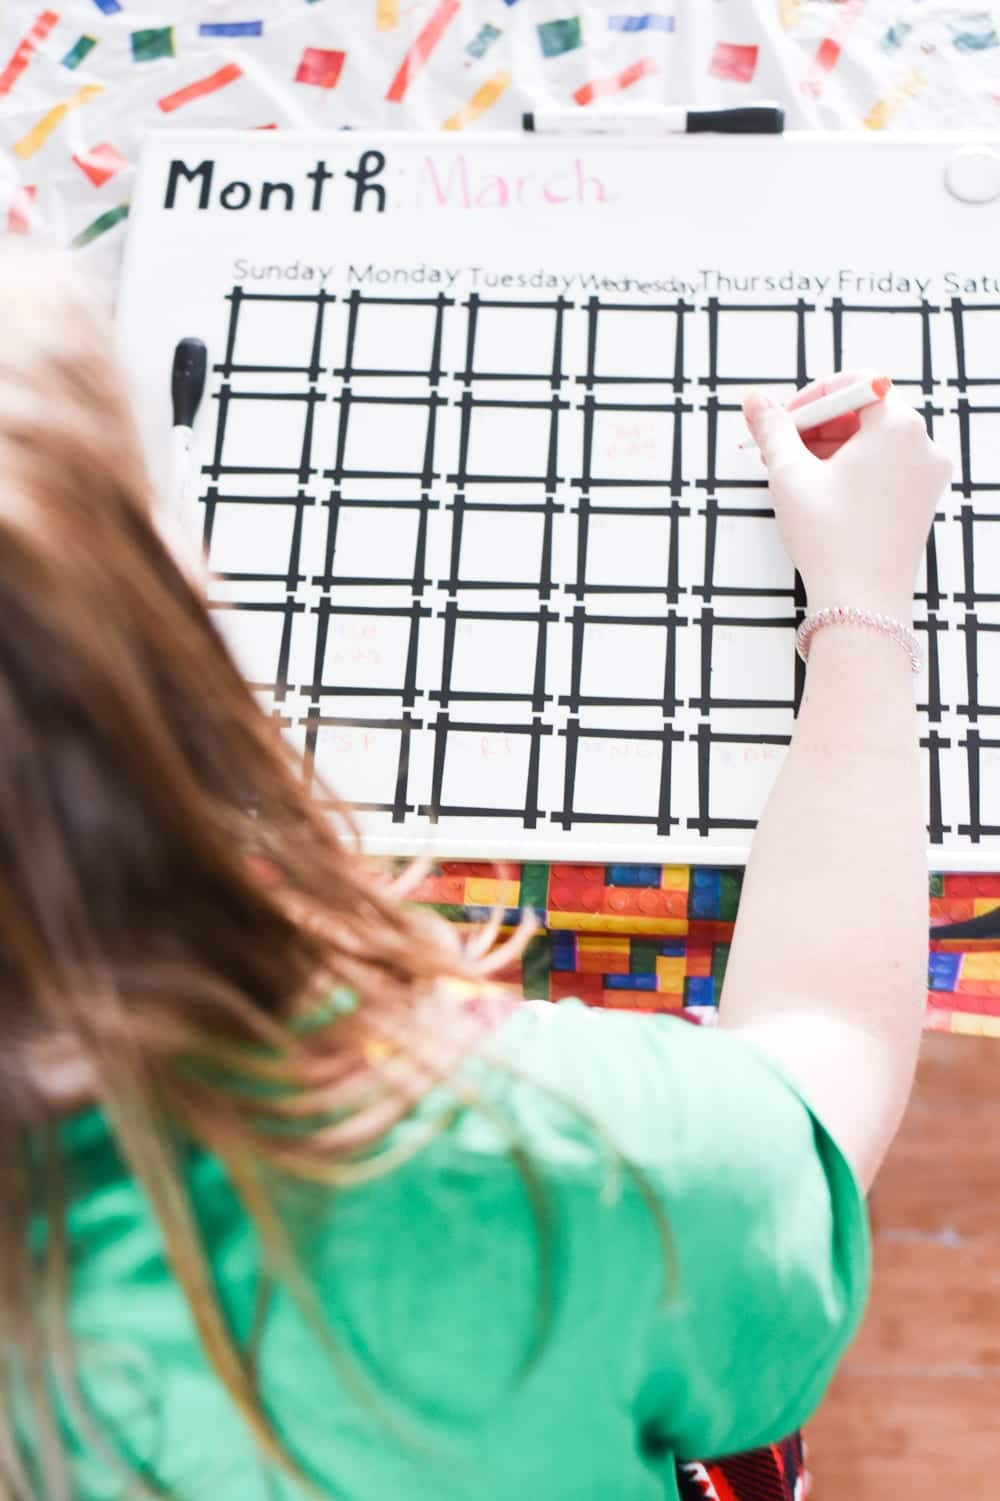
<point>842,615</point>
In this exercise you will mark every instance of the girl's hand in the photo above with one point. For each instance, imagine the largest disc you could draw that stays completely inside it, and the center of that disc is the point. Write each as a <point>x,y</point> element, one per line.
<point>854,499</point>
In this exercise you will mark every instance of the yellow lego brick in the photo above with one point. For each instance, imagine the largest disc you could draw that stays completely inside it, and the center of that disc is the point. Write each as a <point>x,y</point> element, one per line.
<point>608,945</point>
<point>980,967</point>
<point>670,973</point>
<point>975,1026</point>
<point>983,904</point>
<point>675,878</point>
<point>480,891</point>
<point>594,922</point>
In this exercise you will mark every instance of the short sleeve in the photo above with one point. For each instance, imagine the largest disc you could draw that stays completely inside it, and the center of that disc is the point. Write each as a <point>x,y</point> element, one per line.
<point>767,1225</point>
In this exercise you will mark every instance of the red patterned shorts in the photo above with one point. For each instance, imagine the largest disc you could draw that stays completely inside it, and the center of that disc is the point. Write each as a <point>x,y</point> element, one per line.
<point>776,1473</point>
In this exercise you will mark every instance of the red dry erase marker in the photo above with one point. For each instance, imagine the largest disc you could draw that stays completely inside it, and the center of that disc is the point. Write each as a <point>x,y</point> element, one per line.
<point>863,393</point>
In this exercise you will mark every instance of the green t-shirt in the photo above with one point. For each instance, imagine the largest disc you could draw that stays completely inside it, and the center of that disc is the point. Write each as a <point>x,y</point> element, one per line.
<point>431,1281</point>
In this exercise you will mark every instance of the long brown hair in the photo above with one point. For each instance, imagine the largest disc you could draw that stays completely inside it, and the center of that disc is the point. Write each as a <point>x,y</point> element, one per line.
<point>172,901</point>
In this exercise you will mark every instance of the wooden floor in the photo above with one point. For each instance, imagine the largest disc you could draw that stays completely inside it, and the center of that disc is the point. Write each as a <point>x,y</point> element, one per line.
<point>915,1410</point>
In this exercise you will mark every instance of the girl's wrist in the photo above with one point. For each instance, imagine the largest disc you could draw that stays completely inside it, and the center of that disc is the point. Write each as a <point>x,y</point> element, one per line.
<point>895,605</point>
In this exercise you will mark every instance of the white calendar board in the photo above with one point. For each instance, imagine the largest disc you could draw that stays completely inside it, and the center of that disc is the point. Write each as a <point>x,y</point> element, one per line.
<point>468,469</point>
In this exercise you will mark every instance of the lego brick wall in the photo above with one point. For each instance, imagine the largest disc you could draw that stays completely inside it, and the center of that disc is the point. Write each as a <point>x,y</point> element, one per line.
<point>656,937</point>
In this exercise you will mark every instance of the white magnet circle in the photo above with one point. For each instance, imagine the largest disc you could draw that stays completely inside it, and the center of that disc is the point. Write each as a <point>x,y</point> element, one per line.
<point>973,175</point>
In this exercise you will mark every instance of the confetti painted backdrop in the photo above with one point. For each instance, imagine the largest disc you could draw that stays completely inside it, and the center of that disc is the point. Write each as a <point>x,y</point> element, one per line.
<point>82,80</point>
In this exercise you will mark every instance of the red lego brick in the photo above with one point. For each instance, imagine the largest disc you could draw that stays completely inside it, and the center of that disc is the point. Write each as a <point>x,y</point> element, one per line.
<point>653,902</point>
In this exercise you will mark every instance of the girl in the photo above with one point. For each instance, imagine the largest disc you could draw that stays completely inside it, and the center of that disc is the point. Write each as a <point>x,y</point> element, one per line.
<point>296,1202</point>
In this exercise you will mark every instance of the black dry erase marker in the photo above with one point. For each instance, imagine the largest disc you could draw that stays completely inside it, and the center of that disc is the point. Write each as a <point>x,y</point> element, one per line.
<point>745,119</point>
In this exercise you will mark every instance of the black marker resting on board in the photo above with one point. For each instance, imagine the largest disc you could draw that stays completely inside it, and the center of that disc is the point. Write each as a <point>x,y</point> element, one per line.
<point>745,119</point>
<point>187,386</point>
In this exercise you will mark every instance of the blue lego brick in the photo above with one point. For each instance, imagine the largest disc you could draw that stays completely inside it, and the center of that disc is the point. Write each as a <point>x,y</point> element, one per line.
<point>943,971</point>
<point>705,897</point>
<point>699,990</point>
<point>632,875</point>
<point>630,982</point>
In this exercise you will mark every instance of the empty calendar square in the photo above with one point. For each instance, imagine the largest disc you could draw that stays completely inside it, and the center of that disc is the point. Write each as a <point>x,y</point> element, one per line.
<point>393,338</point>
<point>741,776</point>
<point>485,771</point>
<point>623,662</point>
<point>748,557</point>
<point>518,341</point>
<point>757,345</point>
<point>509,442</point>
<point>636,345</point>
<point>617,777</point>
<point>359,763</point>
<point>377,543</point>
<point>366,653</point>
<point>266,326</point>
<point>634,446</point>
<point>494,656</point>
<point>252,538</point>
<point>979,809</point>
<point>977,573</point>
<point>727,461</point>
<point>979,331</point>
<point>982,669</point>
<point>628,552</point>
<point>255,637</point>
<point>266,435</point>
<point>386,437</point>
<point>749,662</point>
<point>983,458</point>
<point>501,547</point>
<point>886,340</point>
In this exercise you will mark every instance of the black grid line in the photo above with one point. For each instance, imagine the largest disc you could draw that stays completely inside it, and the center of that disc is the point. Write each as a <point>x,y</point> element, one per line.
<point>596,310</point>
<point>660,819</point>
<point>406,688</point>
<point>712,480</point>
<point>406,725</point>
<point>475,305</point>
<point>974,630</point>
<point>674,482</point>
<point>666,700</point>
<point>934,743</point>
<point>959,310</point>
<point>708,622</point>
<point>974,745</point>
<point>334,558</point>
<point>239,300</point>
<point>465,511</point>
<point>670,587</point>
<point>357,302</point>
<point>527,811</point>
<point>705,821</point>
<point>290,575</point>
<point>718,309</point>
<point>931,629</point>
<point>347,401</point>
<point>709,587</point>
<point>470,405</point>
<point>225,396</point>
<point>966,482</point>
<point>839,309</point>
<point>286,609</point>
<point>534,692</point>
<point>338,504</point>
<point>969,518</point>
